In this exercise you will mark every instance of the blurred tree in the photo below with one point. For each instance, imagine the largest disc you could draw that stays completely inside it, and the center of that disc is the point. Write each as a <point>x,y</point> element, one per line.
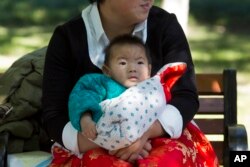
<point>38,12</point>
<point>232,14</point>
<point>180,8</point>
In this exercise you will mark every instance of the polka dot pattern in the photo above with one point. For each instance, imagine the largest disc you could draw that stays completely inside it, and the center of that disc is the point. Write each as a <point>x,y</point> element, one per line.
<point>129,115</point>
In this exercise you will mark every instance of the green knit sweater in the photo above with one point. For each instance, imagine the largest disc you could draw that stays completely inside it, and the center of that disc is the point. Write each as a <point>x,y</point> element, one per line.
<point>89,91</point>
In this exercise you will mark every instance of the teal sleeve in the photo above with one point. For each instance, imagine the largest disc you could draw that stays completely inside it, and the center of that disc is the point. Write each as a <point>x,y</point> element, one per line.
<point>88,92</point>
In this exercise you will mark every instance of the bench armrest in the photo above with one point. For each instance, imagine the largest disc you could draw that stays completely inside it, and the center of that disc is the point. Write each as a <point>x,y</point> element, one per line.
<point>4,137</point>
<point>237,138</point>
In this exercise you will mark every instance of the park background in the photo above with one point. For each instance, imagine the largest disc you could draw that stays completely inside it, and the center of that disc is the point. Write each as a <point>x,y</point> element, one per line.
<point>218,32</point>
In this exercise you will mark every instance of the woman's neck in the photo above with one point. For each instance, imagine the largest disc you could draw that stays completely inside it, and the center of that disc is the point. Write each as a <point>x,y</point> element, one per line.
<point>112,25</point>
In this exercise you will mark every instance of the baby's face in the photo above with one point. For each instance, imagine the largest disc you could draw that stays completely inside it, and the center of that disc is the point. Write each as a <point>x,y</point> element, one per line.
<point>128,64</point>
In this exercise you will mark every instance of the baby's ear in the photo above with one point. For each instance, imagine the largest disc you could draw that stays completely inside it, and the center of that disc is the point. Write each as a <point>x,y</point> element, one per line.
<point>105,70</point>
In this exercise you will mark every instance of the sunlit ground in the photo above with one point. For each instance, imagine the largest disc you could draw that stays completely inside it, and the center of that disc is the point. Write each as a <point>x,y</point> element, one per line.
<point>213,49</point>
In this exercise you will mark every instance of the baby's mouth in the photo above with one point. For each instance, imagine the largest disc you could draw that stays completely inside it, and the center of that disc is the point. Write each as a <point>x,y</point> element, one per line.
<point>133,78</point>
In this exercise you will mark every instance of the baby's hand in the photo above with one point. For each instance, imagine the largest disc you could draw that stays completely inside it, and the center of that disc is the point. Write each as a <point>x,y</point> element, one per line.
<point>89,129</point>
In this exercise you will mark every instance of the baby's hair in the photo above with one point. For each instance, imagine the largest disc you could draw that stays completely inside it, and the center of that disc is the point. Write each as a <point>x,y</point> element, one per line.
<point>125,39</point>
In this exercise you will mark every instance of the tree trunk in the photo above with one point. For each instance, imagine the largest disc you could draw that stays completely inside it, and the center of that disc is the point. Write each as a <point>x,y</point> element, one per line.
<point>180,8</point>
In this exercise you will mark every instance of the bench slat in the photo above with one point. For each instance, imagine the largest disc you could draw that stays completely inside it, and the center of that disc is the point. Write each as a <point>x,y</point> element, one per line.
<point>211,126</point>
<point>209,83</point>
<point>211,98</point>
<point>211,105</point>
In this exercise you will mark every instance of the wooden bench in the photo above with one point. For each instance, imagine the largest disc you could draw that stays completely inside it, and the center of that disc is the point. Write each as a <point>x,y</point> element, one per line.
<point>217,114</point>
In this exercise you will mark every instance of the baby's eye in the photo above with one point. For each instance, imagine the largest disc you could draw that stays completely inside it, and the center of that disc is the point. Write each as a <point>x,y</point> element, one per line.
<point>140,62</point>
<point>122,63</point>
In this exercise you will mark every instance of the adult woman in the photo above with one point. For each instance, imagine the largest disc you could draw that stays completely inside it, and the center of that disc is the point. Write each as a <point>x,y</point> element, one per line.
<point>76,48</point>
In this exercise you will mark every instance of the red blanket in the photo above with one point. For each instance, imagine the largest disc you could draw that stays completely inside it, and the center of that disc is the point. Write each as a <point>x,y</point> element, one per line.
<point>191,149</point>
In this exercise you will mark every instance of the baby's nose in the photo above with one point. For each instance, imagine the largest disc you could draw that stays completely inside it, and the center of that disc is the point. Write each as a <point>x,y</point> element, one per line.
<point>131,69</point>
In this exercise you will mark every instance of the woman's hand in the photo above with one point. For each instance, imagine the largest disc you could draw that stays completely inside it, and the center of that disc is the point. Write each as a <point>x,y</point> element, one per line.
<point>139,149</point>
<point>142,146</point>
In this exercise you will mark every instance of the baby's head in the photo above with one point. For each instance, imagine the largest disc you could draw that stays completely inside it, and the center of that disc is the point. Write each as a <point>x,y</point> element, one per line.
<point>127,60</point>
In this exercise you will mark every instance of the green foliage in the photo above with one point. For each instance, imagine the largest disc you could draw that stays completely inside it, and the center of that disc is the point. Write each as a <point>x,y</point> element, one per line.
<point>158,2</point>
<point>26,25</point>
<point>234,14</point>
<point>38,12</point>
<point>213,51</point>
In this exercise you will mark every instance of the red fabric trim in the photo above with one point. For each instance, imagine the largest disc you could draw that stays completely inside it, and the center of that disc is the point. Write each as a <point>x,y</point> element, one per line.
<point>191,149</point>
